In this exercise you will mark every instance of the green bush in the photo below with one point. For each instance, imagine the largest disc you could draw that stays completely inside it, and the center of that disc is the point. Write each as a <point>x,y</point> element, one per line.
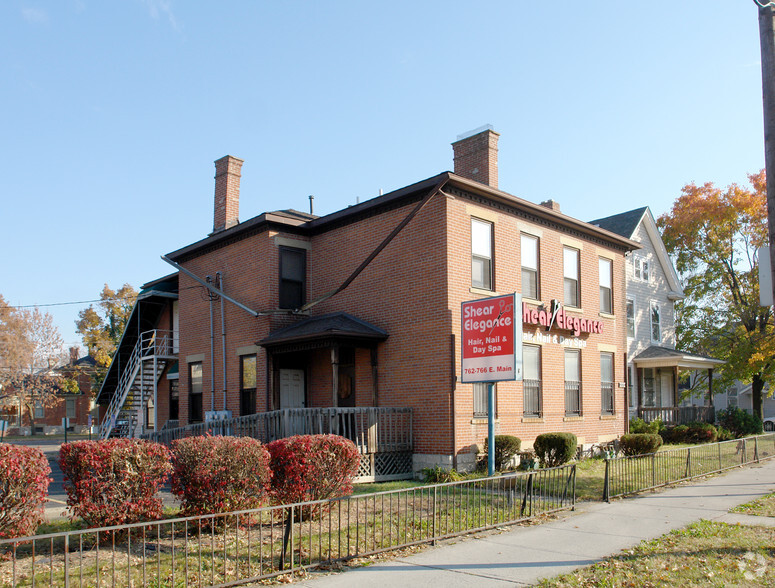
<point>638,426</point>
<point>674,435</point>
<point>639,443</point>
<point>506,447</point>
<point>701,433</point>
<point>724,434</point>
<point>739,422</point>
<point>440,475</point>
<point>555,449</point>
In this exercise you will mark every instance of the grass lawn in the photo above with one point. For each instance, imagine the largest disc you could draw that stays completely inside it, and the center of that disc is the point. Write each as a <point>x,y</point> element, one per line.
<point>763,507</point>
<point>703,554</point>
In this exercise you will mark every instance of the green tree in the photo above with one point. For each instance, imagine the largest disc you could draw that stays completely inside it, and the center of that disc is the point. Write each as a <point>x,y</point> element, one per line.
<point>101,327</point>
<point>713,236</point>
<point>31,352</point>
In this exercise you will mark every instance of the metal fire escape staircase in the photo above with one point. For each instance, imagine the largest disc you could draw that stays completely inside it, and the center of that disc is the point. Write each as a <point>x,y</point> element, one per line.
<point>137,384</point>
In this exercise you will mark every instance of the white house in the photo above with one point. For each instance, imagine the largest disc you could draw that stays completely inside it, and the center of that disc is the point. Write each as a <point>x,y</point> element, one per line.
<point>653,362</point>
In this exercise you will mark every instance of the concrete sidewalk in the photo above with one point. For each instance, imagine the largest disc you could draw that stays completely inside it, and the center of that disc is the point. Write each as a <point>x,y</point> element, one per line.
<point>525,555</point>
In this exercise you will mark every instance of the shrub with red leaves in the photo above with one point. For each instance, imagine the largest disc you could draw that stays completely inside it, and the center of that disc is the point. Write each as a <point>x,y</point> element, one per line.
<point>23,489</point>
<point>115,481</point>
<point>220,474</point>
<point>312,467</point>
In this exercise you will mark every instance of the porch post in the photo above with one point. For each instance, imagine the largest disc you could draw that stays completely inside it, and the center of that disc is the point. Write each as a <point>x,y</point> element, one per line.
<point>335,375</point>
<point>270,405</point>
<point>639,384</point>
<point>676,399</point>
<point>710,386</point>
<point>374,380</point>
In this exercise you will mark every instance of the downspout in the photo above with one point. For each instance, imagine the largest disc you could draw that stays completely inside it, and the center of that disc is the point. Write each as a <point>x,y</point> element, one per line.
<point>212,343</point>
<point>219,277</point>
<point>453,381</point>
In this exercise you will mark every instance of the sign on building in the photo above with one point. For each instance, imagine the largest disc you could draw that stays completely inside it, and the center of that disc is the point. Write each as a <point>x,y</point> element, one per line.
<point>492,339</point>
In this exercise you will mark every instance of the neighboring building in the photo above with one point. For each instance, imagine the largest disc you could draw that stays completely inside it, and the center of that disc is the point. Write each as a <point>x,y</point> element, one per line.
<point>360,310</point>
<point>653,363</point>
<point>48,419</point>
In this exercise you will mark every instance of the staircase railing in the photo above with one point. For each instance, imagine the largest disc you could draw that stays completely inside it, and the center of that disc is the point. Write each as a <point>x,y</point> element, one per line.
<point>154,342</point>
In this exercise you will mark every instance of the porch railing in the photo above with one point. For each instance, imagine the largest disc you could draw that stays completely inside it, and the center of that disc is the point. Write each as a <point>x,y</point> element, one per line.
<point>373,430</point>
<point>678,415</point>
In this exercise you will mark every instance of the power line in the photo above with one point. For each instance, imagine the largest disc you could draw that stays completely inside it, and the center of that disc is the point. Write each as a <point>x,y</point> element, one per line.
<point>118,299</point>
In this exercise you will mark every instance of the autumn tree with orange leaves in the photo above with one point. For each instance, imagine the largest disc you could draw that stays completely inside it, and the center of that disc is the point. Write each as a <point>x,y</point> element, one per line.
<point>713,235</point>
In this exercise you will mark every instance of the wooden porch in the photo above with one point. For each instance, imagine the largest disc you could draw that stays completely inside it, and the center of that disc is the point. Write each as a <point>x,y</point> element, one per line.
<point>382,435</point>
<point>678,415</point>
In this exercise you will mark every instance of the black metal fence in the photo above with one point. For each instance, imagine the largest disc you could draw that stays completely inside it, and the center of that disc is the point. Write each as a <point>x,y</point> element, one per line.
<point>628,475</point>
<point>243,547</point>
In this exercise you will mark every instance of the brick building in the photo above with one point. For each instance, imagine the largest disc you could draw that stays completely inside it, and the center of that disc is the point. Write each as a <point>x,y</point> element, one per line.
<point>48,419</point>
<point>361,308</point>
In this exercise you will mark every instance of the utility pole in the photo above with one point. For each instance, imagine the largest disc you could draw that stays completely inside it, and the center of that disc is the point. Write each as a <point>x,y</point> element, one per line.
<point>767,41</point>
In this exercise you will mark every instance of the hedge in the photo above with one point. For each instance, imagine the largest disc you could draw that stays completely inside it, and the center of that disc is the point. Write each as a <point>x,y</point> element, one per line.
<point>639,443</point>
<point>506,447</point>
<point>555,449</point>
<point>114,481</point>
<point>312,467</point>
<point>220,474</point>
<point>23,489</point>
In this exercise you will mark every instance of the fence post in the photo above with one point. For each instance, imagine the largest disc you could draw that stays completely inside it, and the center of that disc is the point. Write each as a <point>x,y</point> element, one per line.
<point>688,472</point>
<point>606,481</point>
<point>742,454</point>
<point>654,470</point>
<point>756,449</point>
<point>719,455</point>
<point>435,488</point>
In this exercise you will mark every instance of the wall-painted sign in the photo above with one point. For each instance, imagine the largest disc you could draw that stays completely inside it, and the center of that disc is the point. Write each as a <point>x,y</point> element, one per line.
<point>491,339</point>
<point>556,316</point>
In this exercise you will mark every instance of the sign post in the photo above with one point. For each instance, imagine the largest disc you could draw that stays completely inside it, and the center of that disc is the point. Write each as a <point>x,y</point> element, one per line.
<point>491,350</point>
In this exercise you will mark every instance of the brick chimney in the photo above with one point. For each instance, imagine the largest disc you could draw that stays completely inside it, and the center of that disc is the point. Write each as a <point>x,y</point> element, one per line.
<point>553,204</point>
<point>227,177</point>
<point>74,352</point>
<point>476,155</point>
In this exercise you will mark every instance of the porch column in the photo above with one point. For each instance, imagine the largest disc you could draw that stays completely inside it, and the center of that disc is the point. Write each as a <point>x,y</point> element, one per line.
<point>676,399</point>
<point>710,387</point>
<point>639,384</point>
<point>270,400</point>
<point>374,388</point>
<point>335,375</point>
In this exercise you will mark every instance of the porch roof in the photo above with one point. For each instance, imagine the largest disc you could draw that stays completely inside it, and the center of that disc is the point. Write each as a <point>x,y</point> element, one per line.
<point>333,327</point>
<point>657,356</point>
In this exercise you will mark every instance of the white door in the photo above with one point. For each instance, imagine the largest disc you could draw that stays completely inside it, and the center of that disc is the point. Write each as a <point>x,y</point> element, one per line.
<point>291,388</point>
<point>667,389</point>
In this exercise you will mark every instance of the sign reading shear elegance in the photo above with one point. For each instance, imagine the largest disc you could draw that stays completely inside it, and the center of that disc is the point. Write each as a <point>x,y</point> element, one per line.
<point>491,339</point>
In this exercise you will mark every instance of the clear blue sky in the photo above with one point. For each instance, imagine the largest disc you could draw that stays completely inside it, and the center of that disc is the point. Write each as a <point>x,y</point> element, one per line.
<point>113,113</point>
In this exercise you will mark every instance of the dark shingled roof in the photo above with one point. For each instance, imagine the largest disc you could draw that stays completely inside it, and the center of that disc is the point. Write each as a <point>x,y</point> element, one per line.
<point>623,224</point>
<point>337,324</point>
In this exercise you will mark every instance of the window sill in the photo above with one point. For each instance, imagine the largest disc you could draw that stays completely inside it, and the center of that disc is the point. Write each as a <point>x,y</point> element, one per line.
<point>531,300</point>
<point>608,417</point>
<point>532,419</point>
<point>571,419</point>
<point>482,291</point>
<point>483,421</point>
<point>572,309</point>
<point>607,315</point>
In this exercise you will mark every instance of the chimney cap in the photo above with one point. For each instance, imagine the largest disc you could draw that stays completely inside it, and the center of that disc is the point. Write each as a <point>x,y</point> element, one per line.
<point>476,131</point>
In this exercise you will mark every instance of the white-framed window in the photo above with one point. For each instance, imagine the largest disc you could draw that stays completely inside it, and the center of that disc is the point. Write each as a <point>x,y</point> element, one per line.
<point>570,265</point>
<point>481,254</point>
<point>529,255</point>
<point>605,271</point>
<point>70,407</point>
<point>480,399</point>
<point>607,383</point>
<point>631,317</point>
<point>732,396</point>
<point>40,411</point>
<point>531,381</point>
<point>641,269</point>
<point>572,382</point>
<point>656,322</point>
